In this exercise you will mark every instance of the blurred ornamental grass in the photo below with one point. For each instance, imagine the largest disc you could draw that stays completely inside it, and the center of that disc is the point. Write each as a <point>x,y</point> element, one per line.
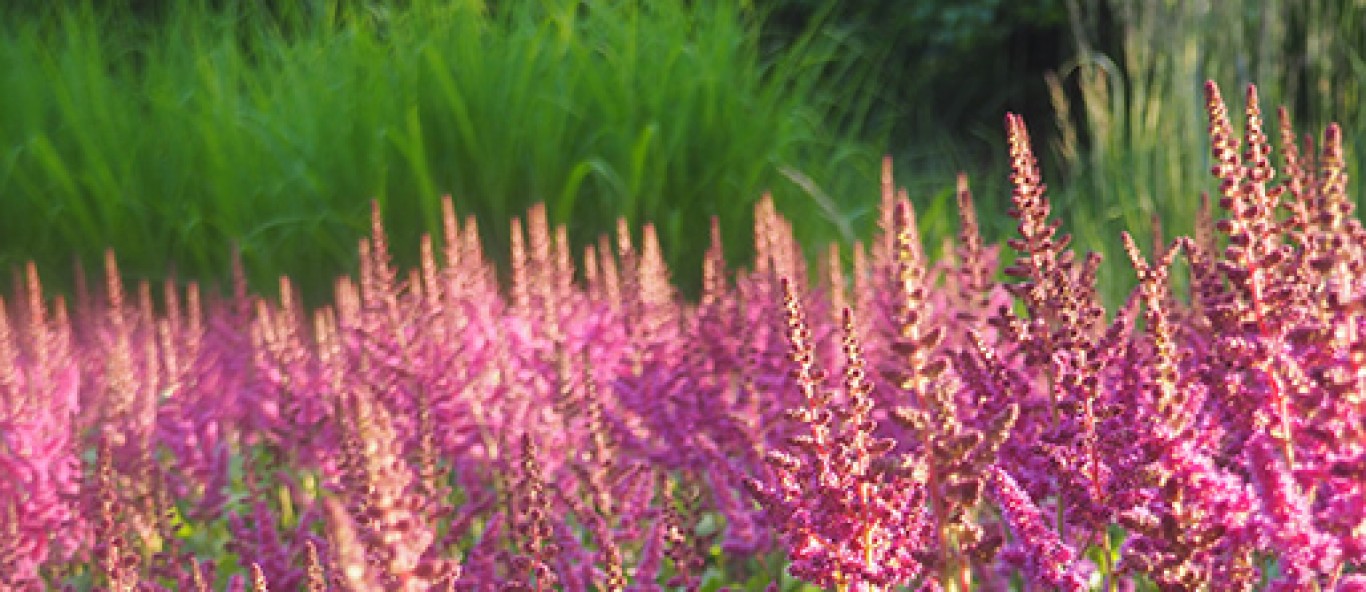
<point>173,137</point>
<point>1129,108</point>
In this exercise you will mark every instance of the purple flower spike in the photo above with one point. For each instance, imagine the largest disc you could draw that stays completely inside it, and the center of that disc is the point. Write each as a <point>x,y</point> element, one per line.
<point>1048,561</point>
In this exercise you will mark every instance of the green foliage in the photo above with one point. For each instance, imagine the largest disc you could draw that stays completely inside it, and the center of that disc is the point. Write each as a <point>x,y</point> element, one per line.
<point>921,52</point>
<point>946,73</point>
<point>1130,106</point>
<point>171,138</point>
<point>169,130</point>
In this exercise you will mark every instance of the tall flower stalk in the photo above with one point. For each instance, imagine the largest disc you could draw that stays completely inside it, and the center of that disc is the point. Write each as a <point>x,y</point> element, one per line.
<point>851,513</point>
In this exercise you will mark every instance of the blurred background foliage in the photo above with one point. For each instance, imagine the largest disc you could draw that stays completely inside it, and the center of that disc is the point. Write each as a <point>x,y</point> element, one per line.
<point>170,130</point>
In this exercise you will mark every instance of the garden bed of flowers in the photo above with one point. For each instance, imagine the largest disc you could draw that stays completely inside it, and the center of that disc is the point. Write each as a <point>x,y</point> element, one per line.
<point>899,422</point>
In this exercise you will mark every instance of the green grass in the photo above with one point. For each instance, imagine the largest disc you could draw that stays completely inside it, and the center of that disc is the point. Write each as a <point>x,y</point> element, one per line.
<point>1136,145</point>
<point>172,138</point>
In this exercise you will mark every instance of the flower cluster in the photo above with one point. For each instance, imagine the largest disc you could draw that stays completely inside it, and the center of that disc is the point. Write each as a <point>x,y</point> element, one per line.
<point>577,425</point>
<point>852,516</point>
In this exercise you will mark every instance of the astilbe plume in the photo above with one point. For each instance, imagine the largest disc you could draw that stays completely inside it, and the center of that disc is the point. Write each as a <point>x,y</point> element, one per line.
<point>1055,360</point>
<point>125,378</point>
<point>685,554</point>
<point>1332,259</point>
<point>736,373</point>
<point>722,398</point>
<point>528,512</point>
<point>599,469</point>
<point>650,383</point>
<point>273,538</point>
<point>1046,559</point>
<point>1190,520</point>
<point>184,424</point>
<point>766,386</point>
<point>1277,307</point>
<point>1256,304</point>
<point>897,293</point>
<point>1034,388</point>
<point>117,563</point>
<point>202,417</point>
<point>851,515</point>
<point>970,269</point>
<point>294,382</point>
<point>386,507</point>
<point>940,425</point>
<point>38,403</point>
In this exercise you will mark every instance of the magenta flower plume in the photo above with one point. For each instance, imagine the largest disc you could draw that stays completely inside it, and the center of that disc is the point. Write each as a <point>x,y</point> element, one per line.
<point>39,466</point>
<point>1048,561</point>
<point>852,518</point>
<point>1308,556</point>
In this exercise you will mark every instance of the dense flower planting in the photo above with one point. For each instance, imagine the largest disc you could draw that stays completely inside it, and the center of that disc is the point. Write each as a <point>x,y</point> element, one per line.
<point>914,424</point>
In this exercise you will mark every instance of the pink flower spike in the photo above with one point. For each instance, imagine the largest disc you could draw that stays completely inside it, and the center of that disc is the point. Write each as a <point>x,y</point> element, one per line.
<point>1048,560</point>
